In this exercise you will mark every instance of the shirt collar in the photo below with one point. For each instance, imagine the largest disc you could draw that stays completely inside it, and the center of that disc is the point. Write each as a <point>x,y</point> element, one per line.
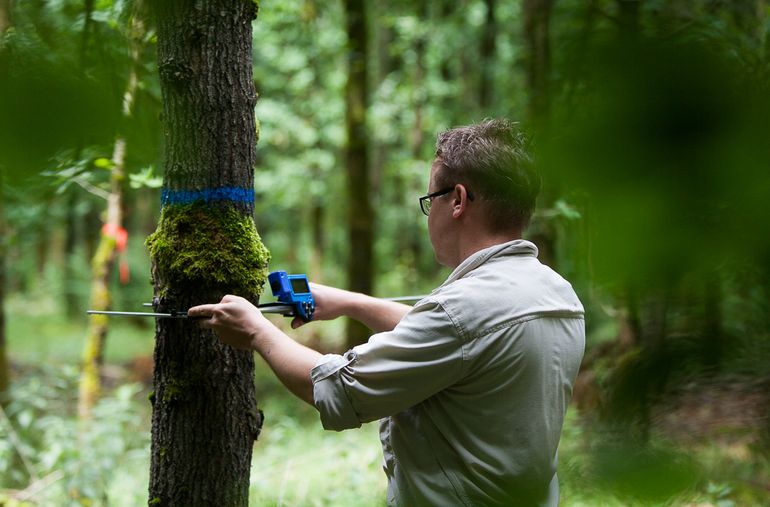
<point>515,247</point>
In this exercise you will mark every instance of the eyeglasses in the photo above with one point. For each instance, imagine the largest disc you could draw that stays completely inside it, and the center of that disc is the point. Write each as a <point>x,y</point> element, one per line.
<point>426,201</point>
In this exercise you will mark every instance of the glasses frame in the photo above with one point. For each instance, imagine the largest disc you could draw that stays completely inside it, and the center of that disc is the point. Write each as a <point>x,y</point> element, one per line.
<point>426,201</point>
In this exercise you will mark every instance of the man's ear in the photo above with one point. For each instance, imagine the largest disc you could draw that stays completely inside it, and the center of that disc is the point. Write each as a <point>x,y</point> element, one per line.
<point>459,201</point>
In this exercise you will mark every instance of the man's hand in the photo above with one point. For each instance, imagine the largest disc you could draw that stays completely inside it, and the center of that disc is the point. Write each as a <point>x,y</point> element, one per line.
<point>329,303</point>
<point>236,321</point>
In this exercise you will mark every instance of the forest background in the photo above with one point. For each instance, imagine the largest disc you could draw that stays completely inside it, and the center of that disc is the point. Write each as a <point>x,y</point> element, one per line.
<point>648,119</point>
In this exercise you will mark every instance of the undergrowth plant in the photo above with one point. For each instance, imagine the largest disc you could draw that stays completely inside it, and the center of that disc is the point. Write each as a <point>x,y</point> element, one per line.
<point>49,457</point>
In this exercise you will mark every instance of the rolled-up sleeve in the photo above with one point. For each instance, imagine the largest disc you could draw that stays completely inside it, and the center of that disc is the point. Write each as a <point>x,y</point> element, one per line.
<point>391,372</point>
<point>329,395</point>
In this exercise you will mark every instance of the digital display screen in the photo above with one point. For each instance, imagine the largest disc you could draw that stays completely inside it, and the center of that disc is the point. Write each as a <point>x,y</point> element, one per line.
<point>299,285</point>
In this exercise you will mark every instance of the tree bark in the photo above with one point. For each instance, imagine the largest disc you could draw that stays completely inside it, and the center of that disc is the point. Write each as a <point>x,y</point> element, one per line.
<point>360,210</point>
<point>205,417</point>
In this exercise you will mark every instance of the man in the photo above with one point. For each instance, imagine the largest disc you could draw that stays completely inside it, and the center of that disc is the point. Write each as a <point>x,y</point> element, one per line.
<point>471,384</point>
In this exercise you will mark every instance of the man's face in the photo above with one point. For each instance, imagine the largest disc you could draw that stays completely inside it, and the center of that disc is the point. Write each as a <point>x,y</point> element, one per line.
<point>440,219</point>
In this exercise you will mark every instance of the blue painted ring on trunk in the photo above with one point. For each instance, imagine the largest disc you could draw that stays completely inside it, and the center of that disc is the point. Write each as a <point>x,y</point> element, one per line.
<point>230,194</point>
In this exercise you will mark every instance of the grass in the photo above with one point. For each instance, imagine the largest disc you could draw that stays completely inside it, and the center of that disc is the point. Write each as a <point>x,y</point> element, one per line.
<point>39,333</point>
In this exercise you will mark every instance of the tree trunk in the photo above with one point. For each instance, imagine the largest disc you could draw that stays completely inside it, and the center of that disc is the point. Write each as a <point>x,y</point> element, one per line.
<point>360,210</point>
<point>537,15</point>
<point>71,303</point>
<point>113,238</point>
<point>488,52</point>
<point>417,94</point>
<point>448,103</point>
<point>205,416</point>
<point>101,299</point>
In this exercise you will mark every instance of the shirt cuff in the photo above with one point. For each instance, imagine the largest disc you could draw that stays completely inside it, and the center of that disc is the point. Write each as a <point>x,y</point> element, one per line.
<point>329,395</point>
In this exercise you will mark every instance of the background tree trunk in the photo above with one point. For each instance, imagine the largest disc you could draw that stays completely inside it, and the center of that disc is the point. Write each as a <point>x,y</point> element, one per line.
<point>536,17</point>
<point>360,210</point>
<point>205,416</point>
<point>72,304</point>
<point>113,238</point>
<point>488,59</point>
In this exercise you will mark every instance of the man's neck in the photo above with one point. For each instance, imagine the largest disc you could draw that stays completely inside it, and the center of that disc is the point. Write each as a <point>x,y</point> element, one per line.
<point>472,243</point>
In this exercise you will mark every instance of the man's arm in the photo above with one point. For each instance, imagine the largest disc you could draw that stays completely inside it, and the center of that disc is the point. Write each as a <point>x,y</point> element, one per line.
<point>241,325</point>
<point>379,315</point>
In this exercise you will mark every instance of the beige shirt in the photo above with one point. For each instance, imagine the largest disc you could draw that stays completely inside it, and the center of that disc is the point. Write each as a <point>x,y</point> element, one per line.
<point>471,386</point>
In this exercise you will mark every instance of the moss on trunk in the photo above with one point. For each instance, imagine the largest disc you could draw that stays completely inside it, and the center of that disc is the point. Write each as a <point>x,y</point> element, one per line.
<point>207,249</point>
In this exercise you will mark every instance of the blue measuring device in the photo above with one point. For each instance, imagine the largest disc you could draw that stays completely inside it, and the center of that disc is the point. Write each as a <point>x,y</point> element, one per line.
<point>293,290</point>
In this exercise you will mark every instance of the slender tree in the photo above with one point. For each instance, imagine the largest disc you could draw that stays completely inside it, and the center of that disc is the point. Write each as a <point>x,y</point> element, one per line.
<point>205,417</point>
<point>113,236</point>
<point>360,211</point>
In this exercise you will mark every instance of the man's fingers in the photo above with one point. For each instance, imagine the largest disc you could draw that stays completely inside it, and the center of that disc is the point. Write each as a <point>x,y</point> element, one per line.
<point>297,322</point>
<point>201,311</point>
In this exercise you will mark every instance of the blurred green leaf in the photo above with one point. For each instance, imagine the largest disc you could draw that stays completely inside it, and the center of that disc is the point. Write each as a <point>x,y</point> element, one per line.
<point>103,163</point>
<point>146,178</point>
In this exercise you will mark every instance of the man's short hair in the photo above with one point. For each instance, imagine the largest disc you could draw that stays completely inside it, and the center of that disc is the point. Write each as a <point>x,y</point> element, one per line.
<point>491,159</point>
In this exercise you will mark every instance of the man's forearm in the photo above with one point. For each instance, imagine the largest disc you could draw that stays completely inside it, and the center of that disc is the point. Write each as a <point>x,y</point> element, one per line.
<point>290,361</point>
<point>378,315</point>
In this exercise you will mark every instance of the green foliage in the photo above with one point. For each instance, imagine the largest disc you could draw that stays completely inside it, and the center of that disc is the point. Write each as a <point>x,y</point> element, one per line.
<point>200,246</point>
<point>101,464</point>
<point>650,475</point>
<point>145,178</point>
<point>56,90</point>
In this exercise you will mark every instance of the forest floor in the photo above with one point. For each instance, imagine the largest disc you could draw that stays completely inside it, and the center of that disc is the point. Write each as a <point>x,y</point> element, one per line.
<point>733,411</point>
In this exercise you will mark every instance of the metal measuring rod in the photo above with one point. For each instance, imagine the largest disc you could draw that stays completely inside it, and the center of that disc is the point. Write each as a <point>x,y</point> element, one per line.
<point>292,291</point>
